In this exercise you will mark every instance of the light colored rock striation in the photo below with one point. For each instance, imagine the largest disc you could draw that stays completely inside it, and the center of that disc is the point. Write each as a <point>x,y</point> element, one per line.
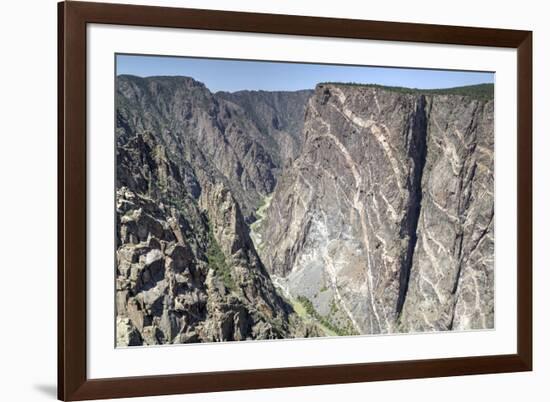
<point>384,221</point>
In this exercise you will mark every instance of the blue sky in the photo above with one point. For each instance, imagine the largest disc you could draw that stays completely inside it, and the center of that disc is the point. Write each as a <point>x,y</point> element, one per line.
<point>234,75</point>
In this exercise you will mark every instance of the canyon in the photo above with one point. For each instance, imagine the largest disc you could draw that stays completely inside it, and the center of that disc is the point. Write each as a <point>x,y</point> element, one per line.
<point>343,210</point>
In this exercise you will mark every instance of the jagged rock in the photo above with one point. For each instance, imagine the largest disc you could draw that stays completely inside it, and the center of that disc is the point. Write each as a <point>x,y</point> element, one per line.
<point>180,257</point>
<point>189,271</point>
<point>126,334</point>
<point>190,337</point>
<point>153,336</point>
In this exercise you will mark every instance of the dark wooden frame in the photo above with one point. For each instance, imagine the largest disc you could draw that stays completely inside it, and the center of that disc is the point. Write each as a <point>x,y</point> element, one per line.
<point>73,383</point>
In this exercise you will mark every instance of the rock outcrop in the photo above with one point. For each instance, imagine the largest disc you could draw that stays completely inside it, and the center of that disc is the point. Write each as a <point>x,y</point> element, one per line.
<point>187,270</point>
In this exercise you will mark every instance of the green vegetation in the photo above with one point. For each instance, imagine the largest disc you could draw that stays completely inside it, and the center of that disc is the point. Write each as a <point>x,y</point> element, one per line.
<point>333,307</point>
<point>302,312</point>
<point>310,310</point>
<point>483,92</point>
<point>261,211</point>
<point>176,203</point>
<point>216,261</point>
<point>255,226</point>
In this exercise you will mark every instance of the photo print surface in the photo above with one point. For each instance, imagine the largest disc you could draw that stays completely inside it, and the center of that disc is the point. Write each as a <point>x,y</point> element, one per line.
<point>264,200</point>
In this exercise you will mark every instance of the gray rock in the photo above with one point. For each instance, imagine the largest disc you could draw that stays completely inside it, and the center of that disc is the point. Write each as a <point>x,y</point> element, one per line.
<point>190,273</point>
<point>126,334</point>
<point>388,211</point>
<point>233,134</point>
<point>452,278</point>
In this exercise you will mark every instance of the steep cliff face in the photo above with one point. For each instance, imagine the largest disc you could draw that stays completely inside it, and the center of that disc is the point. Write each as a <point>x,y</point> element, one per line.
<point>242,137</point>
<point>384,221</point>
<point>452,278</point>
<point>279,115</point>
<point>186,268</point>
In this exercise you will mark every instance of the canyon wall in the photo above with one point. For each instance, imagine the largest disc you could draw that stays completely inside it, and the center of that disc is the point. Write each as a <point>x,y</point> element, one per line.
<point>385,220</point>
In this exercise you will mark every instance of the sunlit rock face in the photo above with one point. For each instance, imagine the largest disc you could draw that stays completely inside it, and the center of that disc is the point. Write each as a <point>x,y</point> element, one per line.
<point>384,221</point>
<point>452,278</point>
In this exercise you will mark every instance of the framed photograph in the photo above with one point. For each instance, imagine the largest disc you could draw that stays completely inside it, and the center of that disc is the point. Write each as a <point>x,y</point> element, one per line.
<point>253,200</point>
